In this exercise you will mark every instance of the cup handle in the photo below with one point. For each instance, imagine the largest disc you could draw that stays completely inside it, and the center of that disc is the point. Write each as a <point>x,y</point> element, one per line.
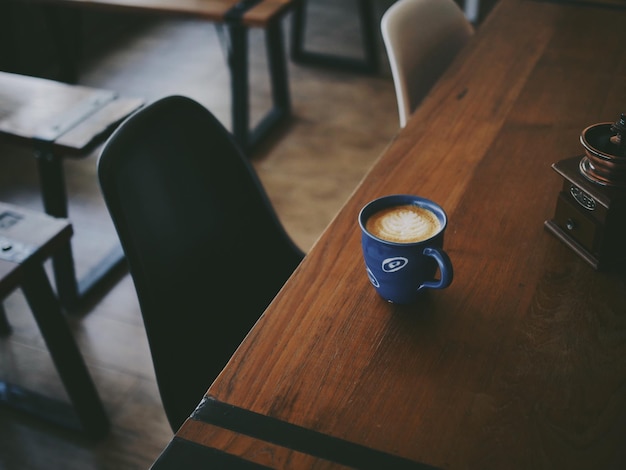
<point>445,268</point>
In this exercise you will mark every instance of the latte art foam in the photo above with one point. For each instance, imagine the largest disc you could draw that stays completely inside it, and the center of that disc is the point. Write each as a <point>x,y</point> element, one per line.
<point>403,224</point>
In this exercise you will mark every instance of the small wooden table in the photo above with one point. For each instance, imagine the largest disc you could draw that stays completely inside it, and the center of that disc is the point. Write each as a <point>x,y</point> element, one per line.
<point>238,16</point>
<point>27,240</point>
<point>58,120</point>
<point>521,362</point>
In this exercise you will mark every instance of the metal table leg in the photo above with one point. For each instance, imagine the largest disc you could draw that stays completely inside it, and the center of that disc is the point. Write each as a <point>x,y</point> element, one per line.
<point>72,292</point>
<point>5,327</point>
<point>279,82</point>
<point>87,412</point>
<point>369,29</point>
<point>65,25</point>
<point>248,136</point>
<point>238,63</point>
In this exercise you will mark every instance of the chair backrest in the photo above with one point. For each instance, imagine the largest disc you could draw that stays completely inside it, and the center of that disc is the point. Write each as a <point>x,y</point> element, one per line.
<point>421,37</point>
<point>205,248</point>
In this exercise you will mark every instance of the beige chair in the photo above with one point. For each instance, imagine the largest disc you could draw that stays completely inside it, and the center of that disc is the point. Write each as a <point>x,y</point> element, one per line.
<point>421,37</point>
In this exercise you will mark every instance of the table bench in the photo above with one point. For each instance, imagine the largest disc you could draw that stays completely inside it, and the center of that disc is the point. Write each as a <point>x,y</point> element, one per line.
<point>238,16</point>
<point>27,240</point>
<point>58,120</point>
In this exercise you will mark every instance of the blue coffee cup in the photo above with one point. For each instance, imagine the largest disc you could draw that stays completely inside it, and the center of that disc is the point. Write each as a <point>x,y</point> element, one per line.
<point>401,271</point>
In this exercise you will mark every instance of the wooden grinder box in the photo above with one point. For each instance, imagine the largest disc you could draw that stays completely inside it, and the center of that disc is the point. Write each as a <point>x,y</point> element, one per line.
<point>590,215</point>
<point>590,218</point>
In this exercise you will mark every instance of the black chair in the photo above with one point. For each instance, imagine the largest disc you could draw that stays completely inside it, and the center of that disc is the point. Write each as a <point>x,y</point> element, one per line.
<point>205,249</point>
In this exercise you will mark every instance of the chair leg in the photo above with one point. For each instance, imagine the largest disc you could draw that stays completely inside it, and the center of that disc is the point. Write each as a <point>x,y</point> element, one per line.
<point>370,61</point>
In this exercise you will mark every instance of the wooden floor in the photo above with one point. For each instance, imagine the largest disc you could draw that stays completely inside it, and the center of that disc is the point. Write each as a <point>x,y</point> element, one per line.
<point>342,122</point>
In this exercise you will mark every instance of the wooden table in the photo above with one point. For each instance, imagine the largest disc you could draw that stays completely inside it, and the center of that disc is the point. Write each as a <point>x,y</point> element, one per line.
<point>521,363</point>
<point>27,240</point>
<point>238,16</point>
<point>57,120</point>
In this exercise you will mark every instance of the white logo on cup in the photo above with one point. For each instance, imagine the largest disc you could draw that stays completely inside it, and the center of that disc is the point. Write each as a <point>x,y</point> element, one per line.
<point>373,279</point>
<point>391,265</point>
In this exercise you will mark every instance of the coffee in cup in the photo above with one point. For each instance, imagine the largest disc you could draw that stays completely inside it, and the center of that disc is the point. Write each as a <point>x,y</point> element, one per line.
<point>407,223</point>
<point>402,242</point>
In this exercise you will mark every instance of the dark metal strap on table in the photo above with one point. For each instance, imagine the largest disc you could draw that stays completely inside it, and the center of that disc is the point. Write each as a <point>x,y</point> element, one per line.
<point>298,438</point>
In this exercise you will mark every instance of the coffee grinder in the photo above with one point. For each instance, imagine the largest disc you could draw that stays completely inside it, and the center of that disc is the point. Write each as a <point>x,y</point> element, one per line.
<point>590,215</point>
